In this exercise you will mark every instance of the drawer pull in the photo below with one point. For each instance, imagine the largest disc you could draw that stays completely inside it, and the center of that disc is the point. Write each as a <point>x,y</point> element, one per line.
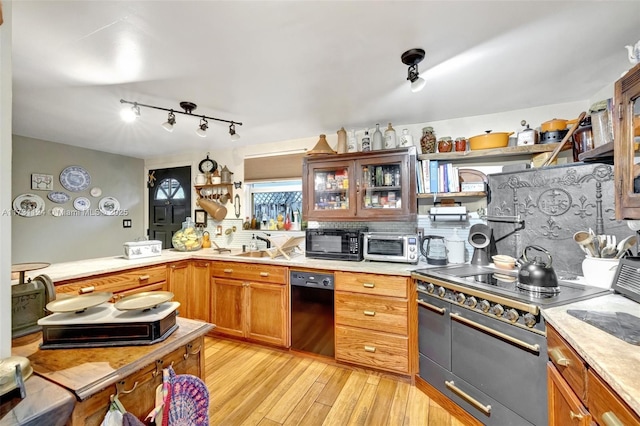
<point>264,274</point>
<point>575,416</point>
<point>85,290</point>
<point>431,307</point>
<point>370,313</point>
<point>610,419</point>
<point>371,349</point>
<point>486,409</point>
<point>533,348</point>
<point>188,350</point>
<point>368,285</point>
<point>228,271</point>
<point>143,277</point>
<point>558,358</point>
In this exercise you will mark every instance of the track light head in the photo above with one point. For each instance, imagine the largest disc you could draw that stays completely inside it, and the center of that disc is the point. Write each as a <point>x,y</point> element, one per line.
<point>202,128</point>
<point>412,58</point>
<point>232,132</point>
<point>171,120</point>
<point>129,115</point>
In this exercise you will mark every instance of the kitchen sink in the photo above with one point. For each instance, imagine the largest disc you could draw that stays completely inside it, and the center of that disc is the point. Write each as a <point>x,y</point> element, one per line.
<point>258,253</point>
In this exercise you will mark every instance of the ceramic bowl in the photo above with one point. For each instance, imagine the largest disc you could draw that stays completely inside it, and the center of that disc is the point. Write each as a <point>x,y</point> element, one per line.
<point>502,261</point>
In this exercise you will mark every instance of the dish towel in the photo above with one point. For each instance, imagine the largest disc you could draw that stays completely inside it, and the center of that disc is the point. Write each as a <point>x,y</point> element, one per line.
<point>187,400</point>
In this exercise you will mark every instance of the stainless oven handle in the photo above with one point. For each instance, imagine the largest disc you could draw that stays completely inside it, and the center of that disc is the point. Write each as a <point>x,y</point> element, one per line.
<point>431,307</point>
<point>533,348</point>
<point>486,409</point>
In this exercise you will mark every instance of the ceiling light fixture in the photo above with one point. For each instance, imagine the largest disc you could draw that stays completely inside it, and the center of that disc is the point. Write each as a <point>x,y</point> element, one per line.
<point>171,120</point>
<point>202,128</point>
<point>413,57</point>
<point>232,132</point>
<point>130,114</point>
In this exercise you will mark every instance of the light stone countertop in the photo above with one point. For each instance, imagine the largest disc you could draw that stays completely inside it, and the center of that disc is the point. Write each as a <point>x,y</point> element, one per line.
<point>104,265</point>
<point>614,360</point>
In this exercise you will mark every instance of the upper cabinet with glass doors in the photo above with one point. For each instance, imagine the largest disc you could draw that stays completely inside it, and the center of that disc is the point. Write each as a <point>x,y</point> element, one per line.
<point>371,186</point>
<point>627,139</point>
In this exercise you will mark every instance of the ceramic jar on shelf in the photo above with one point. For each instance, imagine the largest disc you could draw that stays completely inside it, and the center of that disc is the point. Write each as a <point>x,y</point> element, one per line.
<point>390,140</point>
<point>406,139</point>
<point>428,141</point>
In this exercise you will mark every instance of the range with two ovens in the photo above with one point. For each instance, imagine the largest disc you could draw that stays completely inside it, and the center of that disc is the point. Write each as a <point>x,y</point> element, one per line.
<point>482,340</point>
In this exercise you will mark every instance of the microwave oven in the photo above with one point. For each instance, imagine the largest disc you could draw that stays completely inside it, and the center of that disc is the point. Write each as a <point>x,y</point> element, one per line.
<point>391,247</point>
<point>334,244</point>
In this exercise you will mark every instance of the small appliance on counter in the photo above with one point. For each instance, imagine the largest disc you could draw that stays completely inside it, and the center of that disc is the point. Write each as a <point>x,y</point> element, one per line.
<point>435,250</point>
<point>335,244</point>
<point>391,247</point>
<point>29,298</point>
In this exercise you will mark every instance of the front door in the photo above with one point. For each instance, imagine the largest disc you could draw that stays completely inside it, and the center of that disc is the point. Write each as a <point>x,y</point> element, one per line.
<point>169,202</point>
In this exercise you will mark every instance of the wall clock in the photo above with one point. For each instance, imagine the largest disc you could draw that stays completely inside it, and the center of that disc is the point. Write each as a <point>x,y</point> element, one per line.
<point>208,165</point>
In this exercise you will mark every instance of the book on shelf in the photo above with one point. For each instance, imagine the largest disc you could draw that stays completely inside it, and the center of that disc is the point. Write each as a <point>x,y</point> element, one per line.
<point>433,176</point>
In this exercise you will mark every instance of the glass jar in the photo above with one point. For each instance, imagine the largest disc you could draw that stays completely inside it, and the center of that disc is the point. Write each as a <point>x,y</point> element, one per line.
<point>461,144</point>
<point>428,141</point>
<point>189,238</point>
<point>445,144</point>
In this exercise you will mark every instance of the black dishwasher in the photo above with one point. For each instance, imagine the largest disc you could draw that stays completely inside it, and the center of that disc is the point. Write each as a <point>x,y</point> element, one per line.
<point>312,312</point>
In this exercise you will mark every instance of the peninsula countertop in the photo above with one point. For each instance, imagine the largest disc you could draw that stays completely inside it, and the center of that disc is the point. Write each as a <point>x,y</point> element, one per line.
<point>613,359</point>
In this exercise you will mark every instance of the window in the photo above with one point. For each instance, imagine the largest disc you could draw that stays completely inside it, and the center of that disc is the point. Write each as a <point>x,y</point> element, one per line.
<point>268,200</point>
<point>169,189</point>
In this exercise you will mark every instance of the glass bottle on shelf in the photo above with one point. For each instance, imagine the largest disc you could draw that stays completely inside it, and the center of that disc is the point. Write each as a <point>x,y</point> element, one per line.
<point>366,177</point>
<point>366,141</point>
<point>390,141</point>
<point>352,142</point>
<point>376,142</point>
<point>428,141</point>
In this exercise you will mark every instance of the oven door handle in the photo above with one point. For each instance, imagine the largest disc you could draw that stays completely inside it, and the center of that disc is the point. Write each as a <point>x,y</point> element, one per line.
<point>533,348</point>
<point>431,307</point>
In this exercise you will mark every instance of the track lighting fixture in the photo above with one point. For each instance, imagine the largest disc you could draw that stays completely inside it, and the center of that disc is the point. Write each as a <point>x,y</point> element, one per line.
<point>130,114</point>
<point>232,132</point>
<point>171,120</point>
<point>412,58</point>
<point>202,128</point>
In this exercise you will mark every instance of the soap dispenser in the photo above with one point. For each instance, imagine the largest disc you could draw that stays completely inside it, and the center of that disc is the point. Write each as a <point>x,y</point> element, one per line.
<point>253,244</point>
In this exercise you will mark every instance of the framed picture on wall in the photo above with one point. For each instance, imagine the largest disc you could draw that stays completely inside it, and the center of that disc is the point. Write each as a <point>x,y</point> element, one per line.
<point>201,217</point>
<point>41,182</point>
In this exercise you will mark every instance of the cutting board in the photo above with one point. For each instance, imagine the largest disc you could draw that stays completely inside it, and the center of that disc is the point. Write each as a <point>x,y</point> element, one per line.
<point>619,324</point>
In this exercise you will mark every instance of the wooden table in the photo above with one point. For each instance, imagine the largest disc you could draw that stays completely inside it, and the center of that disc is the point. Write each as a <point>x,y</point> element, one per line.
<point>93,375</point>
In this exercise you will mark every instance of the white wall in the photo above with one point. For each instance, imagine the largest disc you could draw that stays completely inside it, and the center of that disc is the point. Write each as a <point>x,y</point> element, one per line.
<point>5,182</point>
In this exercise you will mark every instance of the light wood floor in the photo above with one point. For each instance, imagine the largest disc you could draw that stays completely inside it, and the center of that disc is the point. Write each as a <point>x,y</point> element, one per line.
<point>256,385</point>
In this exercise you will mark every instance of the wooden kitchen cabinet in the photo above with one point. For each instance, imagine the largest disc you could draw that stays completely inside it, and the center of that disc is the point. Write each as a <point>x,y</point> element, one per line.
<point>251,301</point>
<point>189,281</point>
<point>121,284</point>
<point>373,317</point>
<point>577,395</point>
<point>626,135</point>
<point>377,185</point>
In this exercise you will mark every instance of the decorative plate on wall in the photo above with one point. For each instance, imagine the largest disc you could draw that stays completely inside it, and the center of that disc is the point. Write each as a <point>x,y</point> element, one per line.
<point>75,178</point>
<point>58,197</point>
<point>109,206</point>
<point>81,203</point>
<point>95,192</point>
<point>28,205</point>
<point>57,211</point>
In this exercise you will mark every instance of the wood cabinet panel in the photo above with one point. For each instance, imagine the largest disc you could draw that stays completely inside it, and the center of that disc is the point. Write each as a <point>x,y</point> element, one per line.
<point>116,282</point>
<point>564,407</point>
<point>372,284</point>
<point>568,363</point>
<point>189,281</point>
<point>251,272</point>
<point>372,312</point>
<point>267,318</point>
<point>227,306</point>
<point>371,348</point>
<point>605,406</point>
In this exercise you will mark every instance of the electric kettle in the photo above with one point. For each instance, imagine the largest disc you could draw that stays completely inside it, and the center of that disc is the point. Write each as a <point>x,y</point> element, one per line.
<point>435,250</point>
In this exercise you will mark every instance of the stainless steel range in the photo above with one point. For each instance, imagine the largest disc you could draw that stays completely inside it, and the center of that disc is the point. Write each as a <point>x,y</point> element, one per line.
<point>482,340</point>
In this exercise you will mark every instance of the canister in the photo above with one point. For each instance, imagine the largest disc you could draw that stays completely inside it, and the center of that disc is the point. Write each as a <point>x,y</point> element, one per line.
<point>455,248</point>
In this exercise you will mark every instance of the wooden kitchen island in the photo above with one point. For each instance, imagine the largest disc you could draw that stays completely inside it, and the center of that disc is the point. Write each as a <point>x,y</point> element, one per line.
<point>93,375</point>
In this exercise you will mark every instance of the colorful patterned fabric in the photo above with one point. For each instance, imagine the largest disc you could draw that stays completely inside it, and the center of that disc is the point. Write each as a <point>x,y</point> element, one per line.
<point>187,402</point>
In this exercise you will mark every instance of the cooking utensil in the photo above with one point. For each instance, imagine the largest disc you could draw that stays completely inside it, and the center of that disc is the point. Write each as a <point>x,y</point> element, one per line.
<point>557,124</point>
<point>625,245</point>
<point>585,240</point>
<point>536,273</point>
<point>566,138</point>
<point>490,140</point>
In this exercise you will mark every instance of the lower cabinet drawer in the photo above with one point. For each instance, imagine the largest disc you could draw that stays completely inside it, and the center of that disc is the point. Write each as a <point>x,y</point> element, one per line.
<point>568,363</point>
<point>372,348</point>
<point>372,312</point>
<point>605,406</point>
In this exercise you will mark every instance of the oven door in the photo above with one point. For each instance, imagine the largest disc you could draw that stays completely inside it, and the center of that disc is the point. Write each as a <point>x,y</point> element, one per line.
<point>503,361</point>
<point>434,330</point>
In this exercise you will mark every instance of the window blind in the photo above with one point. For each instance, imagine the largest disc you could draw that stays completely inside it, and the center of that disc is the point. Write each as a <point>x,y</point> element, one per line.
<point>275,167</point>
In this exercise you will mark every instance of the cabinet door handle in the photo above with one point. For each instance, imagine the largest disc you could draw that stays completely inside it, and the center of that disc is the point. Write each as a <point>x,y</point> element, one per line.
<point>486,409</point>
<point>264,274</point>
<point>533,348</point>
<point>143,277</point>
<point>368,285</point>
<point>371,349</point>
<point>85,290</point>
<point>431,307</point>
<point>370,313</point>
<point>575,416</point>
<point>610,419</point>
<point>558,358</point>
<point>228,271</point>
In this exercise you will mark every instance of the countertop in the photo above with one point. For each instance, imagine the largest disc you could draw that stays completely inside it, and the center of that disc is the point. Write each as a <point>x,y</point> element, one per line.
<point>83,268</point>
<point>614,360</point>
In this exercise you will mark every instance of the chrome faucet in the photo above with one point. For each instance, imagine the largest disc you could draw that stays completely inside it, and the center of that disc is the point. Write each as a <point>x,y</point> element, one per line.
<point>266,240</point>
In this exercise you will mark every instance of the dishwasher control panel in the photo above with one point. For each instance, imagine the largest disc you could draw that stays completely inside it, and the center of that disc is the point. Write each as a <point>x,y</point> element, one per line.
<point>311,279</point>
